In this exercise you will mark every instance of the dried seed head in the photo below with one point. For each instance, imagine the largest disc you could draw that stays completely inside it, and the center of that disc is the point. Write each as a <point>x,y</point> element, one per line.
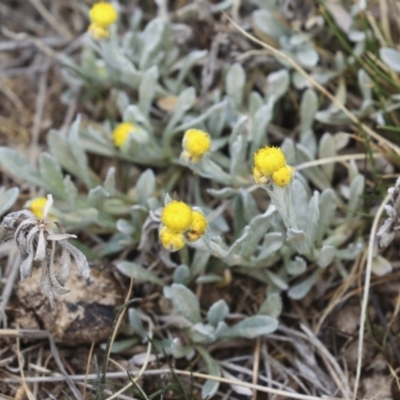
<point>36,242</point>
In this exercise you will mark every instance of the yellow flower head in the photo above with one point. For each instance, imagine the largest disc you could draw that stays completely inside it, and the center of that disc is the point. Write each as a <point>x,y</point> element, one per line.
<point>37,205</point>
<point>268,160</point>
<point>103,14</point>
<point>198,227</point>
<point>177,216</point>
<point>121,133</point>
<point>196,143</point>
<point>259,178</point>
<point>283,176</point>
<point>98,32</point>
<point>172,241</point>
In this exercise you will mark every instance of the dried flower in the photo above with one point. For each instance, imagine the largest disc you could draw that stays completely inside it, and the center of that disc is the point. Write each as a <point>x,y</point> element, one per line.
<point>37,206</point>
<point>170,240</point>
<point>259,178</point>
<point>36,242</point>
<point>268,160</point>
<point>283,176</point>
<point>122,132</point>
<point>103,14</point>
<point>198,227</point>
<point>177,216</point>
<point>195,144</point>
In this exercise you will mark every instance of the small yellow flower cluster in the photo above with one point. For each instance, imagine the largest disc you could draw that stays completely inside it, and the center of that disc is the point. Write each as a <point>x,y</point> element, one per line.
<point>270,162</point>
<point>37,205</point>
<point>195,144</point>
<point>101,15</point>
<point>122,132</point>
<point>181,223</point>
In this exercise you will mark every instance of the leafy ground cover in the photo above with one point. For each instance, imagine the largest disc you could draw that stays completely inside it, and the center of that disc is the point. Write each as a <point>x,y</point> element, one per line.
<point>226,173</point>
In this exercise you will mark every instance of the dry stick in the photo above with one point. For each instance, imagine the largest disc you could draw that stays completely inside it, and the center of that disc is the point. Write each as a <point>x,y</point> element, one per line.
<point>256,366</point>
<point>87,368</point>
<point>325,92</point>
<point>367,282</point>
<point>56,25</point>
<point>21,370</point>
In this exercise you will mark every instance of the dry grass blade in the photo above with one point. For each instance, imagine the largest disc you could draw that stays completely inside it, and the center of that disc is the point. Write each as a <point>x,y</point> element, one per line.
<point>367,283</point>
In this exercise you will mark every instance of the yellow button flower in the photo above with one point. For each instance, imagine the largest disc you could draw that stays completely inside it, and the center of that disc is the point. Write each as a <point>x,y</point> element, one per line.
<point>121,133</point>
<point>268,160</point>
<point>98,32</point>
<point>177,216</point>
<point>198,227</point>
<point>283,176</point>
<point>37,205</point>
<point>195,143</point>
<point>103,14</point>
<point>172,241</point>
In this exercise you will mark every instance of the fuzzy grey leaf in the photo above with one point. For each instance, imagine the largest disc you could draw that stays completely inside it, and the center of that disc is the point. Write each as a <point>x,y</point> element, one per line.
<point>298,240</point>
<point>275,279</point>
<point>308,108</point>
<point>278,84</point>
<point>7,199</point>
<point>327,149</point>
<point>80,260</point>
<point>328,202</point>
<point>60,236</point>
<point>326,255</point>
<point>145,187</point>
<point>41,247</point>
<point>26,265</point>
<point>312,220</point>
<point>51,174</point>
<point>139,273</point>
<point>261,120</point>
<point>272,242</point>
<point>272,305</point>
<point>97,196</point>
<point>217,312</point>
<point>147,89</point>
<point>390,57</point>
<point>71,192</point>
<point>210,387</point>
<point>181,274</point>
<point>265,22</point>
<point>297,266</point>
<point>186,303</point>
<point>299,291</point>
<point>65,267</point>
<point>235,81</point>
<point>252,327</point>
<point>356,191</point>
<point>238,157</point>
<point>45,284</point>
<point>109,182</point>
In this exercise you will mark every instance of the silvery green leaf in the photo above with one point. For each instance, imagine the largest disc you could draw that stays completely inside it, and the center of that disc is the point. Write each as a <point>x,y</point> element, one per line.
<point>297,266</point>
<point>232,257</point>
<point>300,203</point>
<point>281,198</point>
<point>191,59</point>
<point>278,84</point>
<point>178,350</point>
<point>199,262</point>
<point>140,274</point>
<point>307,56</point>
<point>147,89</point>
<point>79,155</point>
<point>181,274</point>
<point>152,37</point>
<point>365,84</point>
<point>185,102</point>
<point>7,199</point>
<point>202,333</point>
<point>349,253</point>
<point>239,129</point>
<point>298,240</point>
<point>327,149</point>
<point>260,122</point>
<point>145,187</point>
<point>275,279</point>
<point>251,327</point>
<point>208,278</point>
<point>210,387</point>
<point>311,228</point>
<point>167,199</point>
<point>217,246</point>
<point>97,142</point>
<point>272,242</point>
<point>381,266</point>
<point>266,22</point>
<point>136,322</point>
<point>97,196</point>
<point>125,227</point>
<point>186,303</point>
<point>391,57</point>
<point>109,182</point>
<point>289,151</point>
<point>308,108</point>
<point>341,140</point>
<point>121,345</point>
<point>134,115</point>
<point>123,101</point>
<point>224,193</point>
<point>217,312</point>
<point>238,157</point>
<point>272,306</point>
<point>299,291</point>
<point>329,118</point>
<point>250,208</point>
<point>325,256</point>
<point>356,191</point>
<point>299,81</point>
<point>258,226</point>
<point>16,164</point>
<point>235,81</point>
<point>314,174</point>
<point>50,173</point>
<point>255,102</point>
<point>328,202</point>
<point>309,141</point>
